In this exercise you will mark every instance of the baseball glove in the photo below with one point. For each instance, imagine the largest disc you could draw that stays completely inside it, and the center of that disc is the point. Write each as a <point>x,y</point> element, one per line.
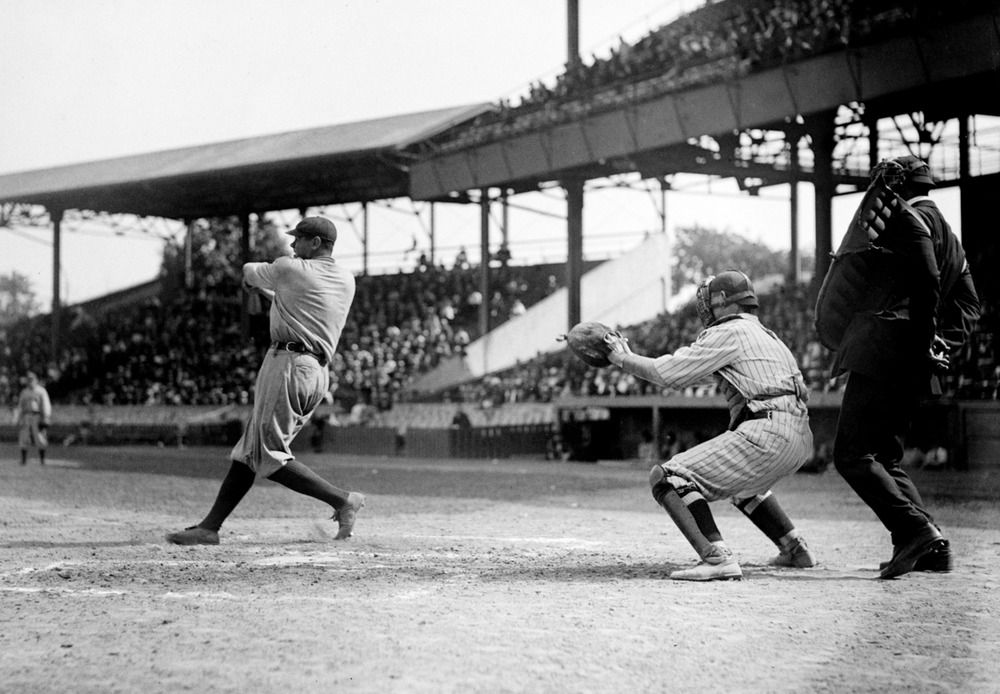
<point>587,341</point>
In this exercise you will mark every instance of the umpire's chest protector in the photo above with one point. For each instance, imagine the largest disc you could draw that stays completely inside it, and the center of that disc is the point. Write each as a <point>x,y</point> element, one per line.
<point>856,282</point>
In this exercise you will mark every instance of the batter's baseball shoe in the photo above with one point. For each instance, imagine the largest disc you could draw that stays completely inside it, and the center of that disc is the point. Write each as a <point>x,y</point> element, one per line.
<point>937,560</point>
<point>718,566</point>
<point>796,556</point>
<point>907,555</point>
<point>194,536</point>
<point>346,515</point>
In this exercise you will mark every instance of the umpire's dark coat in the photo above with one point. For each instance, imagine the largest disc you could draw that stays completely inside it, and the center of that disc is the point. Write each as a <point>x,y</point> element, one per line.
<point>923,287</point>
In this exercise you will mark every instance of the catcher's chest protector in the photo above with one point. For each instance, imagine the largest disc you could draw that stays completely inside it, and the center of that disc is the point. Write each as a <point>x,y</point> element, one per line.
<point>852,284</point>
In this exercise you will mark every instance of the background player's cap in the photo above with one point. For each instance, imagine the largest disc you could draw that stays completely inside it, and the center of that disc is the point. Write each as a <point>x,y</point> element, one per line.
<point>915,169</point>
<point>315,226</point>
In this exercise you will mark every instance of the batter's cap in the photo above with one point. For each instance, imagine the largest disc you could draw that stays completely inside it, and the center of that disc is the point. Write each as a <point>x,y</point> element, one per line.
<point>915,169</point>
<point>315,226</point>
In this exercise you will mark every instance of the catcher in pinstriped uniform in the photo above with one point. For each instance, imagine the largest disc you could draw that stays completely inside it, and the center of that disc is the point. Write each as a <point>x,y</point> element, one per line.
<point>768,436</point>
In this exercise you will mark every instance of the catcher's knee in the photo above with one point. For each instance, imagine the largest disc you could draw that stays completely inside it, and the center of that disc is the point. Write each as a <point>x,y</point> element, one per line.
<point>662,481</point>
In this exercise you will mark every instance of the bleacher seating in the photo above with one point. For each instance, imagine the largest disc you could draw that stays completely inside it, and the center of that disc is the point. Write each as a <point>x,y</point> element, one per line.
<point>720,40</point>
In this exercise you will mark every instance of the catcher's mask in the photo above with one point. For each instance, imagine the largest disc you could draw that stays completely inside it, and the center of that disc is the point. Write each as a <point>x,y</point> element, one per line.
<point>716,291</point>
<point>902,170</point>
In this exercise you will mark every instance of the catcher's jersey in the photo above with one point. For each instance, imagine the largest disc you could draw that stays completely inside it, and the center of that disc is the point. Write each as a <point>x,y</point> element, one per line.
<point>310,302</point>
<point>753,366</point>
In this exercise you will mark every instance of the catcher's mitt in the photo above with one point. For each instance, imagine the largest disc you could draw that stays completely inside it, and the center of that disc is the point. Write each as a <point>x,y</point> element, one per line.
<point>587,342</point>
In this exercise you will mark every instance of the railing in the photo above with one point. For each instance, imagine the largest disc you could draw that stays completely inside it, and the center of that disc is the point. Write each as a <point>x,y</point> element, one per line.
<point>475,442</point>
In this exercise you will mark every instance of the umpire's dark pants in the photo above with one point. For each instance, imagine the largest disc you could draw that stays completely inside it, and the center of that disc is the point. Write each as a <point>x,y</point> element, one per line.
<point>873,422</point>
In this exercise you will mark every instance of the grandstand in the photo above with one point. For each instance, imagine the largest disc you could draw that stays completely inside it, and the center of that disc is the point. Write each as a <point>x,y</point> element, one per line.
<point>420,343</point>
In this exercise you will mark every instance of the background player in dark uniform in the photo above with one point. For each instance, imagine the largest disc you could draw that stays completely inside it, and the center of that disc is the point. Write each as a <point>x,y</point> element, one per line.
<point>920,308</point>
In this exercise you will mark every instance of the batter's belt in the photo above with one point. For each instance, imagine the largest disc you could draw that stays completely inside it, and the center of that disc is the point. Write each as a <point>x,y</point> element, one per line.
<point>299,348</point>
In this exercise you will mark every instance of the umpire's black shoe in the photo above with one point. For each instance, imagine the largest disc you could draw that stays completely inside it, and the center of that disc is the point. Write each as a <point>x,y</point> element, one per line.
<point>908,554</point>
<point>937,560</point>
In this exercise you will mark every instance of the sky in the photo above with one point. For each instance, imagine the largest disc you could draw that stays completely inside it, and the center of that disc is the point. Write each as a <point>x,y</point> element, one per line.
<point>83,81</point>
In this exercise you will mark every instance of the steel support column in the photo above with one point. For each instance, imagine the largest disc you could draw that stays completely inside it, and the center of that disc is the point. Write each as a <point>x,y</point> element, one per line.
<point>574,248</point>
<point>964,169</point>
<point>56,327</point>
<point>484,261</point>
<point>245,250</point>
<point>821,130</point>
<point>189,225</point>
<point>572,31</point>
<point>433,235</point>
<point>364,238</point>
<point>793,210</point>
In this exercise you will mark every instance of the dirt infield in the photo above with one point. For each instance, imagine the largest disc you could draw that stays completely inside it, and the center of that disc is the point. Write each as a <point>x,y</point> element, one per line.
<point>468,576</point>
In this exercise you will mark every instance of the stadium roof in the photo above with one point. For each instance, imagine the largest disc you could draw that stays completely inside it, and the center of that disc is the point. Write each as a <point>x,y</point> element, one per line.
<point>350,162</point>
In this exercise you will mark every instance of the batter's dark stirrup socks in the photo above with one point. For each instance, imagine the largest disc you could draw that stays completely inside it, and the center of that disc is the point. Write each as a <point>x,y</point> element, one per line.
<point>235,486</point>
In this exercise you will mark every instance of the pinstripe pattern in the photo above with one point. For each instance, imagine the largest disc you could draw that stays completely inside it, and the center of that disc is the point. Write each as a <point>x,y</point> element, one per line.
<point>753,368</point>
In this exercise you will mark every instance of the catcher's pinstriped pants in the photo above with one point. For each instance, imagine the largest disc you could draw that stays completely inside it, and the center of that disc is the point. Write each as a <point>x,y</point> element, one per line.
<point>748,461</point>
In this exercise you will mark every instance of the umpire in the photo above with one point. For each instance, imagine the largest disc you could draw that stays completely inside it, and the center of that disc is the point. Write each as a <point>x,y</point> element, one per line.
<point>917,308</point>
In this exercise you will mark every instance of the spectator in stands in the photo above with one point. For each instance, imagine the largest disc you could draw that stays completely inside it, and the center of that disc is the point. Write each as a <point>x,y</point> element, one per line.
<point>317,438</point>
<point>555,448</point>
<point>461,420</point>
<point>647,451</point>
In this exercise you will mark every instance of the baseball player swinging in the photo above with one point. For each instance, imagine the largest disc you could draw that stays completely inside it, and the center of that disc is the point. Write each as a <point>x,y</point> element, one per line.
<point>768,436</point>
<point>311,295</point>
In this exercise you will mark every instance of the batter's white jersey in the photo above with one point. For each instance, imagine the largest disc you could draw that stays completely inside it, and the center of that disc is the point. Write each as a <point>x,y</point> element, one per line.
<point>310,301</point>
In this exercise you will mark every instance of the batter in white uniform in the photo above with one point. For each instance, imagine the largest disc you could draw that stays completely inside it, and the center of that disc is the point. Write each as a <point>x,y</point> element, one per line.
<point>768,437</point>
<point>310,297</point>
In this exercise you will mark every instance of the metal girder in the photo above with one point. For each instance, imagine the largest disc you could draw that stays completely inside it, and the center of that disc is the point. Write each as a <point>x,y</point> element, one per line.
<point>957,58</point>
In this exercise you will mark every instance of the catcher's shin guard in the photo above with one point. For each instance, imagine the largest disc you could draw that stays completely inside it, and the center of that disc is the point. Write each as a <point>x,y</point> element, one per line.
<point>766,513</point>
<point>667,496</point>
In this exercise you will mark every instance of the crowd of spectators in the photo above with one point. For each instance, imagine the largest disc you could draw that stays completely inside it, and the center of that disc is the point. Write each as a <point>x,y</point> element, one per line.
<point>188,346</point>
<point>788,310</point>
<point>190,349</point>
<point>721,40</point>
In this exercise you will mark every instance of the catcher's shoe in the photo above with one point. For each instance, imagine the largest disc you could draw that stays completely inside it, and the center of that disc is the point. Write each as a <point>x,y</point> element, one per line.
<point>346,515</point>
<point>194,536</point>
<point>796,556</point>
<point>719,566</point>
